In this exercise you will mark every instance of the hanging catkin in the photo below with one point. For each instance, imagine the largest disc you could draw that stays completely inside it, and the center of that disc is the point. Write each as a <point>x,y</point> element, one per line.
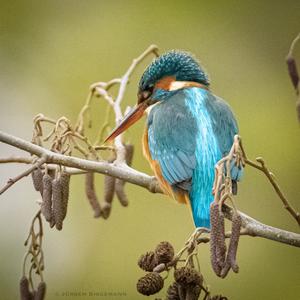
<point>119,186</point>
<point>37,179</point>
<point>57,203</point>
<point>91,194</point>
<point>46,206</point>
<point>65,184</point>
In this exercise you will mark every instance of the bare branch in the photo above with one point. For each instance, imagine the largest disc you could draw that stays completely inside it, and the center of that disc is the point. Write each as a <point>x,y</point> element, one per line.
<point>16,159</point>
<point>251,226</point>
<point>11,181</point>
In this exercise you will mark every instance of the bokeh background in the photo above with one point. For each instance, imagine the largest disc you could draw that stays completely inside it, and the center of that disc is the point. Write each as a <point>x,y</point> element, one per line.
<point>51,51</point>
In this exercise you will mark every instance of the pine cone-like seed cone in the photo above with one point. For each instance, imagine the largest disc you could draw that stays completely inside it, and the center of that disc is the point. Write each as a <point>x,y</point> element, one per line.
<point>164,252</point>
<point>41,291</point>
<point>150,284</point>
<point>57,201</point>
<point>91,194</point>
<point>65,183</point>
<point>172,292</point>
<point>24,289</point>
<point>148,261</point>
<point>187,276</point>
<point>37,179</point>
<point>46,206</point>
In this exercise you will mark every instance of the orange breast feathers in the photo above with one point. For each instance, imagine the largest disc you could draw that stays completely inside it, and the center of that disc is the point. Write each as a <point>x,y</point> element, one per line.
<point>180,196</point>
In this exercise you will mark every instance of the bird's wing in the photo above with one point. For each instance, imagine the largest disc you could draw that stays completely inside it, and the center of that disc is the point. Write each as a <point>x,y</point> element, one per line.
<point>225,128</point>
<point>172,142</point>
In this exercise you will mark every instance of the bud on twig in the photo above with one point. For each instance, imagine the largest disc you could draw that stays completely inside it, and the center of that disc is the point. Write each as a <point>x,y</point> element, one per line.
<point>150,284</point>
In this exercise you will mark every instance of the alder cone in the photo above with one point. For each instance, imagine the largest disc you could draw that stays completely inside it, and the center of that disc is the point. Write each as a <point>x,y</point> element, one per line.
<point>148,261</point>
<point>150,284</point>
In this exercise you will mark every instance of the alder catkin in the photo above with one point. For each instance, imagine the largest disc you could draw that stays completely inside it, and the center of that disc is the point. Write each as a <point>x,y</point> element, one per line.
<point>298,109</point>
<point>41,291</point>
<point>221,244</point>
<point>25,293</point>
<point>233,245</point>
<point>109,188</point>
<point>57,204</point>
<point>214,216</point>
<point>293,72</point>
<point>46,206</point>
<point>105,210</point>
<point>119,185</point>
<point>91,194</point>
<point>121,195</point>
<point>37,179</point>
<point>65,183</point>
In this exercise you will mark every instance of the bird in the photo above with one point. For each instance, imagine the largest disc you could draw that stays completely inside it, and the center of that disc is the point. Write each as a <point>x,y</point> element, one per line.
<point>188,130</point>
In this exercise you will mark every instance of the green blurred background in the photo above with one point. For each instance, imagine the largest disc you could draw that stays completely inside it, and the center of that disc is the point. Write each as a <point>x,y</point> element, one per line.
<point>51,51</point>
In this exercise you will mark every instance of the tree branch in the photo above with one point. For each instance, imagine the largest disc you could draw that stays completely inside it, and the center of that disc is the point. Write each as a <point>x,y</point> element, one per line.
<point>122,171</point>
<point>12,181</point>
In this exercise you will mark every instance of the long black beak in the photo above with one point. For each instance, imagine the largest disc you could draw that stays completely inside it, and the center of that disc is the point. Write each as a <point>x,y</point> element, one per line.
<point>133,116</point>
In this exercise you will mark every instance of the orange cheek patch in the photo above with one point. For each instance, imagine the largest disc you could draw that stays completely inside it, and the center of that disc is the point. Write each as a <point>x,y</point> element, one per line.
<point>165,83</point>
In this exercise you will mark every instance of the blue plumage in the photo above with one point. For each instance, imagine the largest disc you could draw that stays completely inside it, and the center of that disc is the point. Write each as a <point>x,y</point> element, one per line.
<point>188,133</point>
<point>188,130</point>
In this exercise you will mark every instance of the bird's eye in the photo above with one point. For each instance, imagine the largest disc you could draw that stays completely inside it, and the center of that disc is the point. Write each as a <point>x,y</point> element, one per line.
<point>145,94</point>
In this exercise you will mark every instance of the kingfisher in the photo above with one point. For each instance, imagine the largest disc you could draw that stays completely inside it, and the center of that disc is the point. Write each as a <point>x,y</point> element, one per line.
<point>188,130</point>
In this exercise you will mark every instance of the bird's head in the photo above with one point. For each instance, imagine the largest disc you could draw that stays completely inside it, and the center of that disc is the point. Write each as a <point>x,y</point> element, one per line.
<point>167,74</point>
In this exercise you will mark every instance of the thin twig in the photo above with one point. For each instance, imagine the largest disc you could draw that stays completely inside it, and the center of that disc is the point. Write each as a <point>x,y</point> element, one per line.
<point>12,181</point>
<point>263,168</point>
